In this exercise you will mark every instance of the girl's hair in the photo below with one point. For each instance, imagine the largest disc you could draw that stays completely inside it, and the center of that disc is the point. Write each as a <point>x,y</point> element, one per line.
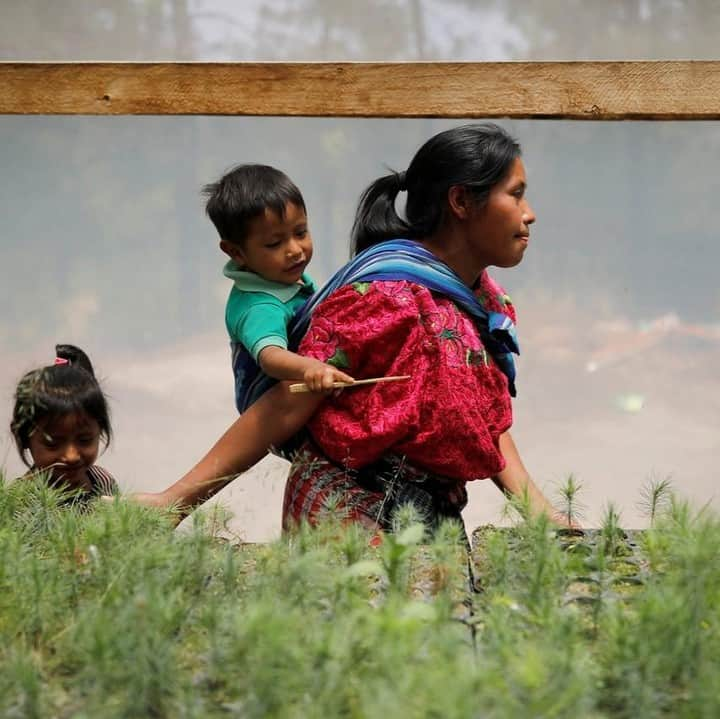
<point>66,387</point>
<point>476,156</point>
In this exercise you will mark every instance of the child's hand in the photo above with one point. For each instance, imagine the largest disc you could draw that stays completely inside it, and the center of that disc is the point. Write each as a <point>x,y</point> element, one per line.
<point>320,377</point>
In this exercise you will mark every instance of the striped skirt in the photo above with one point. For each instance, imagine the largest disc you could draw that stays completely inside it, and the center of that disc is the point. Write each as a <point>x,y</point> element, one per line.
<point>317,488</point>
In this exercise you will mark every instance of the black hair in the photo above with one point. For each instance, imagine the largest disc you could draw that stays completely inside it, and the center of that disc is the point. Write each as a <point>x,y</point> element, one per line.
<point>245,192</point>
<point>56,390</point>
<point>475,156</point>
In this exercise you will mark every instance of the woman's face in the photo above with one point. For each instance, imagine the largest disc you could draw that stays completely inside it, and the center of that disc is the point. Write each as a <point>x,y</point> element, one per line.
<point>499,230</point>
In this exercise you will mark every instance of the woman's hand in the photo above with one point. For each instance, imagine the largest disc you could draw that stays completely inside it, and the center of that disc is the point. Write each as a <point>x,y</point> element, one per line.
<point>515,481</point>
<point>151,499</point>
<point>159,500</point>
<point>563,521</point>
<point>270,421</point>
<point>156,500</point>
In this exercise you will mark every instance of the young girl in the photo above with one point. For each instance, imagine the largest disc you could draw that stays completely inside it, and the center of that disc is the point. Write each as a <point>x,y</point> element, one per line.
<point>60,418</point>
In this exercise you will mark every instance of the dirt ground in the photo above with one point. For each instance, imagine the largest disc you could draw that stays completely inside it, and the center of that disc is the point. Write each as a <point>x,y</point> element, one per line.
<point>612,404</point>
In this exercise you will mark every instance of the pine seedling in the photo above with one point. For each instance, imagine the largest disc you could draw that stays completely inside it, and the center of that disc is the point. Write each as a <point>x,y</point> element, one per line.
<point>353,543</point>
<point>448,554</point>
<point>406,516</point>
<point>571,506</point>
<point>606,547</point>
<point>611,533</point>
<point>21,684</point>
<point>398,547</point>
<point>517,505</point>
<point>544,567</point>
<point>333,510</point>
<point>492,554</point>
<point>655,497</point>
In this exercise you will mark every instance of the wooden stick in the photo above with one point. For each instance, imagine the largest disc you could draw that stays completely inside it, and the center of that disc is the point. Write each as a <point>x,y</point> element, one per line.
<point>302,387</point>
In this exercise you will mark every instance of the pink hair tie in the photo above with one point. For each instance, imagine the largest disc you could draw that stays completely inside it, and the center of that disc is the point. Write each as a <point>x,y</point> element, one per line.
<point>61,360</point>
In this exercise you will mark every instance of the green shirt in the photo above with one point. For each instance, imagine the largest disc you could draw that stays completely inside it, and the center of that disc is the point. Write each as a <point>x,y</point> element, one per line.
<point>258,311</point>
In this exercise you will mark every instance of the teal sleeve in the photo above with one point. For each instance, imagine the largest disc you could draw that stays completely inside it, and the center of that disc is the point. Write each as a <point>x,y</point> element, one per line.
<point>260,326</point>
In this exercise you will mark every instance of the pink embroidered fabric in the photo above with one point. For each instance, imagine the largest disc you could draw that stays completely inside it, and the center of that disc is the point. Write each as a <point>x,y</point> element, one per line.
<point>448,417</point>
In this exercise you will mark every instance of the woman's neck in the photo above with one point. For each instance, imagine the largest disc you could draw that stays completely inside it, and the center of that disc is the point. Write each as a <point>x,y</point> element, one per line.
<point>450,249</point>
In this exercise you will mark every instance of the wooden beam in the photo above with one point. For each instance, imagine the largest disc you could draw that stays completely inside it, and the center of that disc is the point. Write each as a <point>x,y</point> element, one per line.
<point>665,90</point>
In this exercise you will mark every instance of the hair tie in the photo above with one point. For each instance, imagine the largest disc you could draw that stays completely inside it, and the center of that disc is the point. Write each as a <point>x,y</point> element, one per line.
<point>61,360</point>
<point>402,181</point>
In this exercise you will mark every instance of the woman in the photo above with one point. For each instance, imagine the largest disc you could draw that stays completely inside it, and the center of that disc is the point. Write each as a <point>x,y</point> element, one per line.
<point>416,300</point>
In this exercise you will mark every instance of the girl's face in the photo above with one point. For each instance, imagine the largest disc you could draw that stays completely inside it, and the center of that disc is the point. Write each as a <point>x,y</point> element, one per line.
<point>499,231</point>
<point>68,445</point>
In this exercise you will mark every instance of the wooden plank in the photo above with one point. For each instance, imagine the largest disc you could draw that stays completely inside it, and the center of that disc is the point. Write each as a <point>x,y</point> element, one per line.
<point>666,90</point>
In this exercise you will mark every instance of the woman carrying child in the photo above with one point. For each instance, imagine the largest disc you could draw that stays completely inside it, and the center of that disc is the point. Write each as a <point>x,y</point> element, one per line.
<point>417,300</point>
<point>59,419</point>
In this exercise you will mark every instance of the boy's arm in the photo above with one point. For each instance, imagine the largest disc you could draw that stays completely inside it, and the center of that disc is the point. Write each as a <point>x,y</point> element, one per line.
<point>285,365</point>
<point>272,420</point>
<point>261,329</point>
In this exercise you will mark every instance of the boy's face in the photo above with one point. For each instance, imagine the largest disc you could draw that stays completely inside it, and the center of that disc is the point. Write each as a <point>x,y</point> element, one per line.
<point>275,248</point>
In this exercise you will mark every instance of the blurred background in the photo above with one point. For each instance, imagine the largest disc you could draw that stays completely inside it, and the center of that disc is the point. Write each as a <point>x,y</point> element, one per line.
<point>104,242</point>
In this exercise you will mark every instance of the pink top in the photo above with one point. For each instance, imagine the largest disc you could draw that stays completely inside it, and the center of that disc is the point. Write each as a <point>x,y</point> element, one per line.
<point>448,417</point>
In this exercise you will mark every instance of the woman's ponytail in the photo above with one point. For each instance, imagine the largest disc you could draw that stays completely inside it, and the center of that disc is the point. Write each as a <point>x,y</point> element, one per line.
<point>376,219</point>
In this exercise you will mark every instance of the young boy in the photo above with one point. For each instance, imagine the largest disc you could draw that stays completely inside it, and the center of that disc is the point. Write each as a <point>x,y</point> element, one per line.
<point>260,216</point>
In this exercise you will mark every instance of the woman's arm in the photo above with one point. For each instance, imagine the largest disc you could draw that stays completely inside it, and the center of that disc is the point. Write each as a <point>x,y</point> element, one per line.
<point>515,481</point>
<point>272,420</point>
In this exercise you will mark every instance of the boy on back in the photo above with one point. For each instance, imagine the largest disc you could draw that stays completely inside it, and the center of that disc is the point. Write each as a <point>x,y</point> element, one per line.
<point>260,216</point>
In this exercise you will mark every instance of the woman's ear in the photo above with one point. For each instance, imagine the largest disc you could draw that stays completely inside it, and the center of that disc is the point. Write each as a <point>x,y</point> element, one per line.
<point>459,201</point>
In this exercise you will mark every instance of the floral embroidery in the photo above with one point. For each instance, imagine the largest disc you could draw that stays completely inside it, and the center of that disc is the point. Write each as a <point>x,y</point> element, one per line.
<point>339,359</point>
<point>399,291</point>
<point>493,297</point>
<point>448,334</point>
<point>326,344</point>
<point>448,326</point>
<point>361,287</point>
<point>442,321</point>
<point>475,358</point>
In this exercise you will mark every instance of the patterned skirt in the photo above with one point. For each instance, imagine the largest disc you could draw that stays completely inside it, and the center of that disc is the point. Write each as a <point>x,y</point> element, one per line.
<point>318,488</point>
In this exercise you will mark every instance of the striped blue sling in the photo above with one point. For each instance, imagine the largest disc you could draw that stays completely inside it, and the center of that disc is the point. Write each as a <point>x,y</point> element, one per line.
<point>403,260</point>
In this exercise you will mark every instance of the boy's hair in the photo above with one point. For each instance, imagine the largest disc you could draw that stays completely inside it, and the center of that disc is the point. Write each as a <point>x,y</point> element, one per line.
<point>244,193</point>
<point>62,388</point>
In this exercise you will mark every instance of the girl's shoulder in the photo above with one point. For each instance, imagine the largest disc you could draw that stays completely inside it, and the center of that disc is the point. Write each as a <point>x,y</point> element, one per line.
<point>103,482</point>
